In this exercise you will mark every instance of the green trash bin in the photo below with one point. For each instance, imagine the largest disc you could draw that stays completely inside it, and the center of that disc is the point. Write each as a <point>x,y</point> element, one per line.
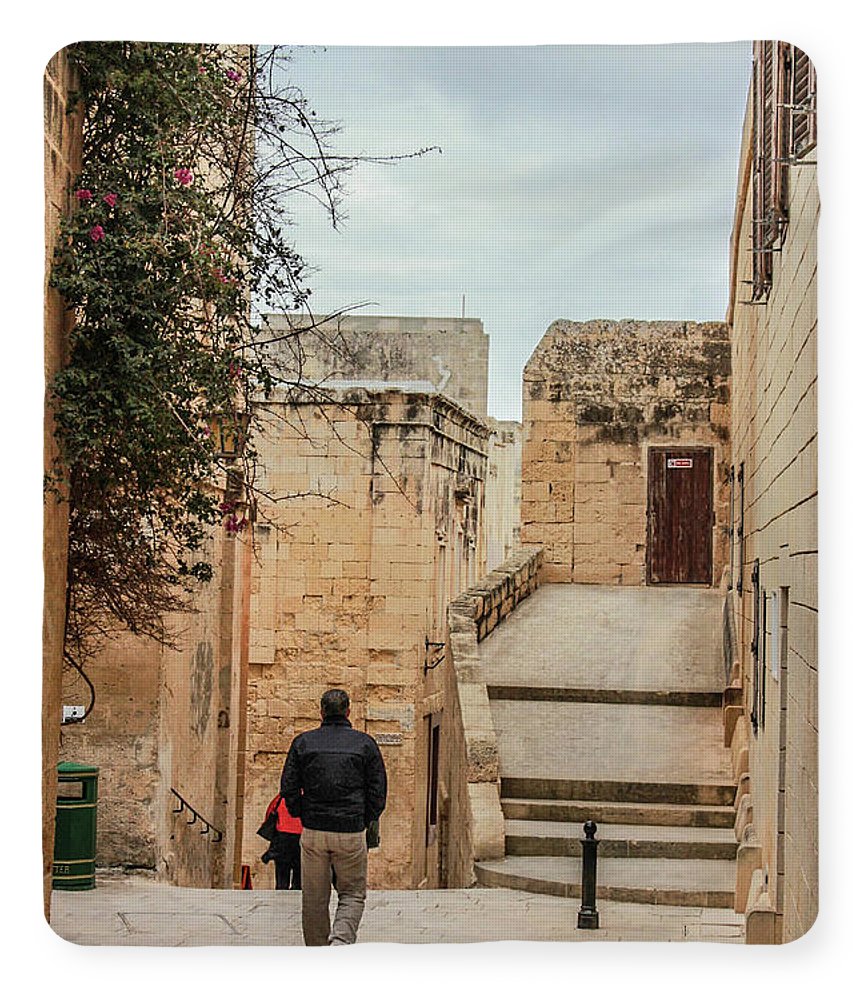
<point>75,827</point>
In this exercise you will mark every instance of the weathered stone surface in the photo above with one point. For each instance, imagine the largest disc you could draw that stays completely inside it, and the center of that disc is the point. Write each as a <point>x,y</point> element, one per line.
<point>488,824</point>
<point>165,916</point>
<point>476,826</point>
<point>596,396</point>
<point>658,882</point>
<point>449,354</point>
<point>748,862</point>
<point>774,441</point>
<point>350,594</point>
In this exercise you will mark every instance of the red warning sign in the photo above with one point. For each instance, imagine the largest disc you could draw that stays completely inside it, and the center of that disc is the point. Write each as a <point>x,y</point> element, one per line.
<point>679,463</point>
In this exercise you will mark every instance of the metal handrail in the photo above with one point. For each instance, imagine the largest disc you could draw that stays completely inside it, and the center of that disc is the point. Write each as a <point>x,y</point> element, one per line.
<point>196,817</point>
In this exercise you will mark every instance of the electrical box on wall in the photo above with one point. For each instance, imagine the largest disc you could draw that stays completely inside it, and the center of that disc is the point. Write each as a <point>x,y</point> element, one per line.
<point>73,713</point>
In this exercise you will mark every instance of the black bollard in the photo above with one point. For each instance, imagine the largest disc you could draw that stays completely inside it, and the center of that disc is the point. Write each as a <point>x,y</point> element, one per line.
<point>587,918</point>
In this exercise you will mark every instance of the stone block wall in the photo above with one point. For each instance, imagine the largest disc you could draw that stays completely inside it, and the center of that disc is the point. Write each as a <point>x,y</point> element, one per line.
<point>203,724</point>
<point>170,718</point>
<point>596,397</point>
<point>120,737</point>
<point>311,597</point>
<point>448,353</point>
<point>475,823</point>
<point>503,489</point>
<point>774,437</point>
<point>350,579</point>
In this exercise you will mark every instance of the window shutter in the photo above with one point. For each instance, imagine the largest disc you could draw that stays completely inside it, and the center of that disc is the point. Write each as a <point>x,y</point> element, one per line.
<point>769,140</point>
<point>804,120</point>
<point>781,143</point>
<point>761,171</point>
<point>783,92</point>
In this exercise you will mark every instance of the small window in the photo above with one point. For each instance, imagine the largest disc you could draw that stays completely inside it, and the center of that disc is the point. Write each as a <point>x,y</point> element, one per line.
<point>777,627</point>
<point>732,478</point>
<point>741,527</point>
<point>433,730</point>
<point>758,647</point>
<point>440,597</point>
<point>762,666</point>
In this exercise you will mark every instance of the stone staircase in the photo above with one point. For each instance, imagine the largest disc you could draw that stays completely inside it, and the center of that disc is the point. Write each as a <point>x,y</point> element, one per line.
<point>607,706</point>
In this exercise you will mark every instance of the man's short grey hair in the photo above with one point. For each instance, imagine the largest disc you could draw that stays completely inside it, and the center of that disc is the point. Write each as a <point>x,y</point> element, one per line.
<point>335,703</point>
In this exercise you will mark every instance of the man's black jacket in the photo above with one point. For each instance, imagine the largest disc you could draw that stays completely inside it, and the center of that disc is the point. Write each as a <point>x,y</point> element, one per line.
<point>334,778</point>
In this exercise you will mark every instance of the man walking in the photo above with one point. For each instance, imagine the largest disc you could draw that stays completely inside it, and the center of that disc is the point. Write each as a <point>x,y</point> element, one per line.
<point>334,779</point>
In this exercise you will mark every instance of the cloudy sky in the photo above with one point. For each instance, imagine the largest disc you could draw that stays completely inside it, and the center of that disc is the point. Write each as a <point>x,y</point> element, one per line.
<point>574,182</point>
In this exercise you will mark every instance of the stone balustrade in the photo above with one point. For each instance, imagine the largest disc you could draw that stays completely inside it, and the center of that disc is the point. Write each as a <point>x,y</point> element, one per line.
<point>473,814</point>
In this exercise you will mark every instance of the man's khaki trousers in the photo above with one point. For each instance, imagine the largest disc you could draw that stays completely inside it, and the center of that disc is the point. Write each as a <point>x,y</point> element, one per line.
<point>347,854</point>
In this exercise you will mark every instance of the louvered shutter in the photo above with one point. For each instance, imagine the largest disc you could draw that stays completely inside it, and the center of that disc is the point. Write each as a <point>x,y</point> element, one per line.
<point>770,139</point>
<point>804,125</point>
<point>775,71</point>
<point>781,143</point>
<point>761,171</point>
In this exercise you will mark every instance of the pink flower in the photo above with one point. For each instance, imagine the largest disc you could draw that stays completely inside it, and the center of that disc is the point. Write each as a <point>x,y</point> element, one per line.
<point>110,200</point>
<point>233,525</point>
<point>227,507</point>
<point>202,69</point>
<point>183,176</point>
<point>233,75</point>
<point>83,194</point>
<point>97,234</point>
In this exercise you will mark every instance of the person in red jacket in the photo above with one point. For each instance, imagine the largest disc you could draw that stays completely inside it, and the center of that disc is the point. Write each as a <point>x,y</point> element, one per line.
<point>285,849</point>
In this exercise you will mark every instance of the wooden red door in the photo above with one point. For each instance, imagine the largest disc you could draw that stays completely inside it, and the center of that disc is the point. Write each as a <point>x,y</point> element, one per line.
<point>680,515</point>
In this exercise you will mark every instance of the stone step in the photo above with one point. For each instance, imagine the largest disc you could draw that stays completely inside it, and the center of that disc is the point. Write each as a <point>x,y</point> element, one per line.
<point>654,881</point>
<point>711,793</point>
<point>627,744</point>
<point>635,813</point>
<point>534,838</point>
<point>610,696</point>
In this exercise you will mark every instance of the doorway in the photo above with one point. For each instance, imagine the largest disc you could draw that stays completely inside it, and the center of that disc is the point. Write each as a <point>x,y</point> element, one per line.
<point>680,515</point>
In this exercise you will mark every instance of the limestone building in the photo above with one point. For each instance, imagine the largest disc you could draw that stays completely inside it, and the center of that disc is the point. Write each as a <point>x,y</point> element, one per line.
<point>350,585</point>
<point>626,452</point>
<point>503,490</point>
<point>773,600</point>
<point>450,353</point>
<point>403,491</point>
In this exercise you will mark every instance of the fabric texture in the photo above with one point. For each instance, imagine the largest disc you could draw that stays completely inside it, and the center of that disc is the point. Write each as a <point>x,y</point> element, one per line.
<point>373,839</point>
<point>341,774</point>
<point>287,860</point>
<point>286,822</point>
<point>324,852</point>
<point>284,832</point>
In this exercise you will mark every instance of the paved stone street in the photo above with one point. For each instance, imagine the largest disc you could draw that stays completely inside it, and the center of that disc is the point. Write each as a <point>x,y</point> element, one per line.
<point>126,911</point>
